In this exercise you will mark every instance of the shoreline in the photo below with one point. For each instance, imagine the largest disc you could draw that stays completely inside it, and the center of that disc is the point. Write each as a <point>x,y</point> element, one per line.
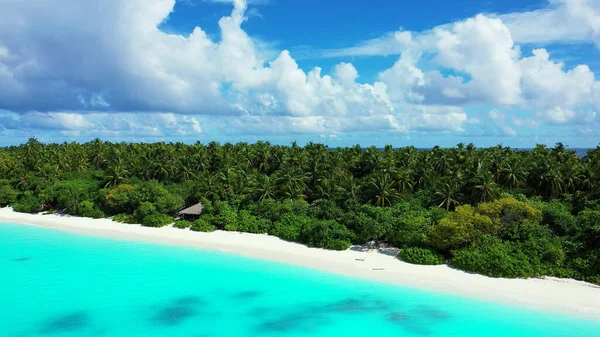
<point>563,296</point>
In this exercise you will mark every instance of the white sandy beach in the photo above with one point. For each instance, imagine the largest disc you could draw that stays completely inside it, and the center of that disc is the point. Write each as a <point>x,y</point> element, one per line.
<point>551,294</point>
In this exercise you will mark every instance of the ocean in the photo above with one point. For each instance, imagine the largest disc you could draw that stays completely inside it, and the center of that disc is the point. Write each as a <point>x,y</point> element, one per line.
<point>59,284</point>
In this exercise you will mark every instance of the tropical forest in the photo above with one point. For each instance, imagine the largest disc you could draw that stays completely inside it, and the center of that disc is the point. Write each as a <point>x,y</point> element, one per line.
<point>495,211</point>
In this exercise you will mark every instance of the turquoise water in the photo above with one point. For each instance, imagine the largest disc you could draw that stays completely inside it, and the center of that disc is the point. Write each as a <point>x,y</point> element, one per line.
<point>60,284</point>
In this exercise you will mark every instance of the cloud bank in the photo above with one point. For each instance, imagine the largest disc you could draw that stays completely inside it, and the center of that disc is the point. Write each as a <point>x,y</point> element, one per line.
<point>106,68</point>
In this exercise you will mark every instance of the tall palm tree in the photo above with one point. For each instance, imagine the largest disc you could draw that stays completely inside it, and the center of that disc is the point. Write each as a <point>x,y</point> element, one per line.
<point>115,173</point>
<point>349,191</point>
<point>380,190</point>
<point>513,173</point>
<point>550,181</point>
<point>265,187</point>
<point>291,183</point>
<point>448,194</point>
<point>485,188</point>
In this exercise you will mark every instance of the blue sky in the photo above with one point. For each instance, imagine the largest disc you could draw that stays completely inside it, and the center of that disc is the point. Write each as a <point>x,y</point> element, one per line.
<point>373,72</point>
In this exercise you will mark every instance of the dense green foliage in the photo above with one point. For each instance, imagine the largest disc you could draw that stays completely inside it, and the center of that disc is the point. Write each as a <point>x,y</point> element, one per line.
<point>182,224</point>
<point>418,255</point>
<point>496,211</point>
<point>203,225</point>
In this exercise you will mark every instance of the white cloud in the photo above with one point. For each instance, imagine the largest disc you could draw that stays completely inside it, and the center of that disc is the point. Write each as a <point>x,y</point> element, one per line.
<point>499,119</point>
<point>484,49</point>
<point>345,73</point>
<point>558,115</point>
<point>560,21</point>
<point>403,78</point>
<point>489,69</point>
<point>392,43</point>
<point>545,83</point>
<point>92,67</point>
<point>121,61</point>
<point>435,118</point>
<point>526,122</point>
<point>55,120</point>
<point>102,123</point>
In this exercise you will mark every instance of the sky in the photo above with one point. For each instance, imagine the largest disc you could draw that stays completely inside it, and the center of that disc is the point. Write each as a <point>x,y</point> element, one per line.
<point>377,72</point>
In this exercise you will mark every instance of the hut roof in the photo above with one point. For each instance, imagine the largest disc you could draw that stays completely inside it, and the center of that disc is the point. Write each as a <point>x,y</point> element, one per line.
<point>192,210</point>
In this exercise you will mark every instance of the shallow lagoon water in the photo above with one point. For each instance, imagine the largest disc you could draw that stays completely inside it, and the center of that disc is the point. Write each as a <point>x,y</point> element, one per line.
<point>54,283</point>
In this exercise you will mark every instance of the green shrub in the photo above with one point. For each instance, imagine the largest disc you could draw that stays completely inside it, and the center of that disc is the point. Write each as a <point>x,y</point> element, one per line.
<point>373,223</point>
<point>67,195</point>
<point>226,217</point>
<point>294,206</point>
<point>249,223</point>
<point>146,208</point>
<point>588,222</point>
<point>8,195</point>
<point>557,216</point>
<point>411,228</point>
<point>231,227</point>
<point>424,256</point>
<point>124,218</point>
<point>88,209</point>
<point>28,203</point>
<point>203,225</point>
<point>182,224</point>
<point>156,220</point>
<point>289,227</point>
<point>164,201</point>
<point>337,244</point>
<point>325,233</point>
<point>123,198</point>
<point>494,258</point>
<point>267,209</point>
<point>207,206</point>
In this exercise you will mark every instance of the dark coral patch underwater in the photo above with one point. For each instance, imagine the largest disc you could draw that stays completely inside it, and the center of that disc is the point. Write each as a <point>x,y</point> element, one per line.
<point>293,322</point>
<point>433,313</point>
<point>73,322</point>
<point>355,305</point>
<point>314,316</point>
<point>246,295</point>
<point>178,310</point>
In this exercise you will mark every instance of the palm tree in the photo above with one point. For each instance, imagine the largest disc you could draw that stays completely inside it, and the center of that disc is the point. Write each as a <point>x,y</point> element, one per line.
<point>291,183</point>
<point>186,173</point>
<point>380,190</point>
<point>550,181</point>
<point>448,194</point>
<point>115,173</point>
<point>209,187</point>
<point>513,173</point>
<point>572,176</point>
<point>349,191</point>
<point>265,187</point>
<point>485,188</point>
<point>404,181</point>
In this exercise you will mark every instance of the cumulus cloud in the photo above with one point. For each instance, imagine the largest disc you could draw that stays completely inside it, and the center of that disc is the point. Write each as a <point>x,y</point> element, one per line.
<point>499,119</point>
<point>545,83</point>
<point>483,48</point>
<point>75,65</point>
<point>98,123</point>
<point>560,21</point>
<point>559,115</point>
<point>435,118</point>
<point>118,60</point>
<point>489,68</point>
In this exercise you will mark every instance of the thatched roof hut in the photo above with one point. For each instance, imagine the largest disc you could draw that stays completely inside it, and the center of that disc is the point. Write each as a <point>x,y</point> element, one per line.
<point>192,211</point>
